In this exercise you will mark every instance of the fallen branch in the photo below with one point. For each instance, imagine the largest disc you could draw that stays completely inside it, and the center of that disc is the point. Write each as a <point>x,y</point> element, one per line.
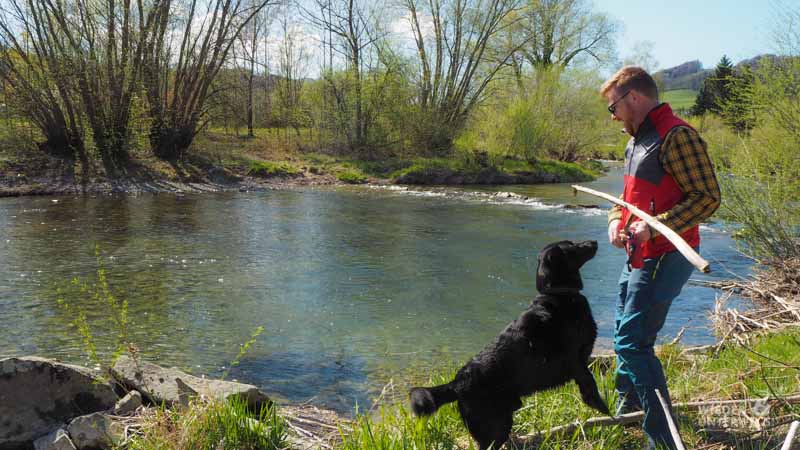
<point>787,444</point>
<point>626,419</point>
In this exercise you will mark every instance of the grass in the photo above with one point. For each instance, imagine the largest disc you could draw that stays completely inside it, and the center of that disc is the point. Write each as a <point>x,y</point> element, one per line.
<point>265,169</point>
<point>211,426</point>
<point>736,373</point>
<point>679,99</point>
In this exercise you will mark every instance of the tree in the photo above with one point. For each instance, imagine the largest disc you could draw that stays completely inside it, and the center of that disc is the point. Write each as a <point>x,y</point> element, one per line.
<point>715,90</point>
<point>92,48</point>
<point>558,32</point>
<point>642,55</point>
<point>178,86</point>
<point>292,60</point>
<point>250,40</point>
<point>354,26</point>
<point>456,62</point>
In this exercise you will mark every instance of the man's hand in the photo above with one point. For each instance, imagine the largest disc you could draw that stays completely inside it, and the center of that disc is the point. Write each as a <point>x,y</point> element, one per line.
<point>640,231</point>
<point>616,238</point>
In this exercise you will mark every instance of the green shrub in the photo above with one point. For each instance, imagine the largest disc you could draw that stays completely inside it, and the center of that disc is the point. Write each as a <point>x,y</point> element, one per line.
<point>265,169</point>
<point>352,177</point>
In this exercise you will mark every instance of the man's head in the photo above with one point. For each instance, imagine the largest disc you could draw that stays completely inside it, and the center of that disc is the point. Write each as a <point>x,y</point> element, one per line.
<point>631,93</point>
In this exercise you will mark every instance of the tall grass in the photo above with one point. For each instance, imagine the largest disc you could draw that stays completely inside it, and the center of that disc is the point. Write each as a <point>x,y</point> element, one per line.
<point>212,426</point>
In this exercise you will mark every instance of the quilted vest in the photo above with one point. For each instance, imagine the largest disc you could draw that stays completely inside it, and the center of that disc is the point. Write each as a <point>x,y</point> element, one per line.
<point>647,185</point>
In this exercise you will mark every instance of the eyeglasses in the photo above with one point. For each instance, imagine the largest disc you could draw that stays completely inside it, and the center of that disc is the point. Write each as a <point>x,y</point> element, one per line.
<point>613,107</point>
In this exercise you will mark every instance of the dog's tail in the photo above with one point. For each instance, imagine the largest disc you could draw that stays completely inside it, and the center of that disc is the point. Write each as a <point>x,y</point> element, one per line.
<point>425,401</point>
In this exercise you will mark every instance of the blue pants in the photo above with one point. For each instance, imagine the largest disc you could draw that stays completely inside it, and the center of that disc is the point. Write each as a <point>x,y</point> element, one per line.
<point>645,296</point>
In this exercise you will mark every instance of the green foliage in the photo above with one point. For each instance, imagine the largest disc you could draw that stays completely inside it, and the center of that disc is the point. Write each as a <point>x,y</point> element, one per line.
<point>352,177</point>
<point>560,116</point>
<point>265,169</point>
<point>82,296</point>
<point>212,426</point>
<point>763,185</point>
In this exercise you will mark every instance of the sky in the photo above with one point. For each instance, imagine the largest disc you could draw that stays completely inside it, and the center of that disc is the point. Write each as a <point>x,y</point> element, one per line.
<point>685,30</point>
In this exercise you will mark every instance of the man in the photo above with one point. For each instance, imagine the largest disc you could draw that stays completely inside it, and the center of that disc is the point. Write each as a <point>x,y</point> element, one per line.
<point>668,174</point>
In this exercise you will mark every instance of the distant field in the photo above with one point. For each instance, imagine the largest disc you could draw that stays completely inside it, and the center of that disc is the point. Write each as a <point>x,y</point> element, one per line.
<point>679,98</point>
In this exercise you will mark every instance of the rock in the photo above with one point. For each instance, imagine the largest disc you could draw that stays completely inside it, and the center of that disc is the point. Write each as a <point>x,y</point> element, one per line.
<point>38,395</point>
<point>96,431</point>
<point>128,404</point>
<point>56,440</point>
<point>172,386</point>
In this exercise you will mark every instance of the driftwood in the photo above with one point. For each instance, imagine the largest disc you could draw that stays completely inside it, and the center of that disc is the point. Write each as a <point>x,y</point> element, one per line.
<point>673,429</point>
<point>787,444</point>
<point>626,419</point>
<point>687,251</point>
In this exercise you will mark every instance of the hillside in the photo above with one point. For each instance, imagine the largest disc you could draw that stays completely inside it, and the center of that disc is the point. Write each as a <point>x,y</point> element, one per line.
<point>689,75</point>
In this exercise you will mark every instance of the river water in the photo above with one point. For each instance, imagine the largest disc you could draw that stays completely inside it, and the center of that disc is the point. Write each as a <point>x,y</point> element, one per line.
<point>353,286</point>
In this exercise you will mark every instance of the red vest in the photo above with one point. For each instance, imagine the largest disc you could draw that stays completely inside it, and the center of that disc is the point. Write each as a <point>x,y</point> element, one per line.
<point>647,185</point>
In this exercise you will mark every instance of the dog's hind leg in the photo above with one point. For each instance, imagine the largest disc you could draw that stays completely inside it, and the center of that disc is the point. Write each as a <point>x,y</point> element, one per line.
<point>589,393</point>
<point>489,426</point>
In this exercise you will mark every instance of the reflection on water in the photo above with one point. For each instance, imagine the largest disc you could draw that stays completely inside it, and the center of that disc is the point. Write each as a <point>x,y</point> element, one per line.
<point>353,286</point>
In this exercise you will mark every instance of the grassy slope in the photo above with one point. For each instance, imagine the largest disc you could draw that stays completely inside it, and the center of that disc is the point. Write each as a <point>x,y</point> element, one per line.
<point>679,98</point>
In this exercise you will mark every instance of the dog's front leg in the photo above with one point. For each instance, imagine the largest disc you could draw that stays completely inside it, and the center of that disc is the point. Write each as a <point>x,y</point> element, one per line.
<point>589,393</point>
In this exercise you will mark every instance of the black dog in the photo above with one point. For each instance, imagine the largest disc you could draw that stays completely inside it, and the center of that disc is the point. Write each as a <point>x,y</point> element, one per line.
<point>547,346</point>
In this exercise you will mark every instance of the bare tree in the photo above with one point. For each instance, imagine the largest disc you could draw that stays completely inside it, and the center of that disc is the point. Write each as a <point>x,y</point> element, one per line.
<point>353,25</point>
<point>252,38</point>
<point>456,61</point>
<point>292,70</point>
<point>179,84</point>
<point>559,31</point>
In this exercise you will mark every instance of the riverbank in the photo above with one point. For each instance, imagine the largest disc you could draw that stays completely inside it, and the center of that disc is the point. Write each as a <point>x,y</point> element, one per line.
<point>221,162</point>
<point>732,397</point>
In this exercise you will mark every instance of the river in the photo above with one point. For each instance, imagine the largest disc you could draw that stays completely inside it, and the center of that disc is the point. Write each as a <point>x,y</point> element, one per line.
<point>353,286</point>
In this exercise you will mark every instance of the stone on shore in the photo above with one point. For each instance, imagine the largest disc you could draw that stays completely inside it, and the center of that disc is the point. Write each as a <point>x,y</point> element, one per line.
<point>128,404</point>
<point>38,395</point>
<point>172,386</point>
<point>96,431</point>
<point>56,440</point>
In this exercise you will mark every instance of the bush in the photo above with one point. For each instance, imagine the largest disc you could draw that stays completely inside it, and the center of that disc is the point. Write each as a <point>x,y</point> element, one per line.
<point>352,177</point>
<point>559,115</point>
<point>265,169</point>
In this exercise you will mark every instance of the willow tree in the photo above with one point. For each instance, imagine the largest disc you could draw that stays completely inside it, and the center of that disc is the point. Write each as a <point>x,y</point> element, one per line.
<point>456,61</point>
<point>42,80</point>
<point>190,45</point>
<point>86,50</point>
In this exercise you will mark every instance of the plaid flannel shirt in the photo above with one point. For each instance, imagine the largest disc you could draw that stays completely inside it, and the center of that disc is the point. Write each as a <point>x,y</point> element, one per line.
<point>684,155</point>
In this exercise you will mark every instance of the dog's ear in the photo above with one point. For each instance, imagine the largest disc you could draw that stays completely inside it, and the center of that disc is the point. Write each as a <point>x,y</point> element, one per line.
<point>550,259</point>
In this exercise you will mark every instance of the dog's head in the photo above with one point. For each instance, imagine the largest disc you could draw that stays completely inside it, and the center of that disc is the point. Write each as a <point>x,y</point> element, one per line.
<point>560,263</point>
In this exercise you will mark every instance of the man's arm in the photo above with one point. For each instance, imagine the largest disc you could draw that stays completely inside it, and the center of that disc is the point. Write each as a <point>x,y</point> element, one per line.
<point>684,155</point>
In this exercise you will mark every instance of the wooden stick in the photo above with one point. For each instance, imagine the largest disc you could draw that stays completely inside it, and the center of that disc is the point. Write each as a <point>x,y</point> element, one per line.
<point>787,444</point>
<point>673,430</point>
<point>687,251</point>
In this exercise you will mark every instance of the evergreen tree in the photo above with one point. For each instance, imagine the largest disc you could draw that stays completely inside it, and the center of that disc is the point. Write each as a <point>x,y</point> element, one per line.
<point>715,91</point>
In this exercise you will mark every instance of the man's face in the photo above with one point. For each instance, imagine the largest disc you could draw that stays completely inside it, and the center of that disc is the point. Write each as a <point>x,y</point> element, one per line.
<point>622,102</point>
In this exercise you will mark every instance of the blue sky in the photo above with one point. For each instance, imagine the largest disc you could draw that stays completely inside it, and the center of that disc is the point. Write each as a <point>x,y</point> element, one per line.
<point>683,30</point>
